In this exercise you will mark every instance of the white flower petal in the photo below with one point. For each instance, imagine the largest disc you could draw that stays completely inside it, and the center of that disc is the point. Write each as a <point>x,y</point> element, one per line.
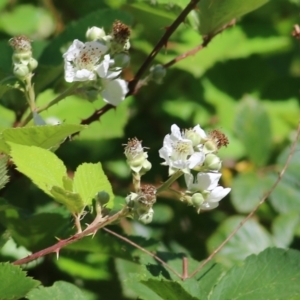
<point>208,181</point>
<point>114,91</point>
<point>217,194</point>
<point>196,159</point>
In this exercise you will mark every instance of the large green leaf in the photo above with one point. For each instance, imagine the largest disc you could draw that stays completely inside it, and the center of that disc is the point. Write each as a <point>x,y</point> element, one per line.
<point>59,290</point>
<point>214,14</point>
<point>253,128</point>
<point>89,179</point>
<point>112,123</point>
<point>248,189</point>
<point>168,289</point>
<point>284,227</point>
<point>251,238</point>
<point>285,197</point>
<point>72,201</point>
<point>273,274</point>
<point>42,166</point>
<point>14,283</point>
<point>42,136</point>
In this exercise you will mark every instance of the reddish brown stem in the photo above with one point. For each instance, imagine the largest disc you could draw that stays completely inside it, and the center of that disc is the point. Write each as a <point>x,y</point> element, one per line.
<point>161,43</point>
<point>63,243</point>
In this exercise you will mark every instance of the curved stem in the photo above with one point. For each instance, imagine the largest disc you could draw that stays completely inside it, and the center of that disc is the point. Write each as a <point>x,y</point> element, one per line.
<point>168,183</point>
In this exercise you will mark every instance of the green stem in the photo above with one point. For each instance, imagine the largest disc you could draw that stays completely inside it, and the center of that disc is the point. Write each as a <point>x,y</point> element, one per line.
<point>60,97</point>
<point>168,183</point>
<point>29,93</point>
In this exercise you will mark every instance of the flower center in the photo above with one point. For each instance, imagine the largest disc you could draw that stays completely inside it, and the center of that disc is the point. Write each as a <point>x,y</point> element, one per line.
<point>88,57</point>
<point>181,150</point>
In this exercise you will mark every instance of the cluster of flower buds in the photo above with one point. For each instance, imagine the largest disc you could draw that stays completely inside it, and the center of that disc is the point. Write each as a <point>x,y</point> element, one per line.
<point>141,203</point>
<point>193,150</point>
<point>100,61</point>
<point>191,153</point>
<point>23,62</point>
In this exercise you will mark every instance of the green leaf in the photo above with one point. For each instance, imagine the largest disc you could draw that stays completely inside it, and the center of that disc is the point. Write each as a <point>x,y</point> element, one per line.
<point>33,231</point>
<point>273,274</point>
<point>3,172</point>
<point>59,290</point>
<point>14,283</point>
<point>90,179</point>
<point>72,201</point>
<point>37,18</point>
<point>112,123</point>
<point>42,166</point>
<point>41,136</point>
<point>247,191</point>
<point>283,228</point>
<point>251,238</point>
<point>285,197</point>
<point>168,289</point>
<point>214,14</point>
<point>252,125</point>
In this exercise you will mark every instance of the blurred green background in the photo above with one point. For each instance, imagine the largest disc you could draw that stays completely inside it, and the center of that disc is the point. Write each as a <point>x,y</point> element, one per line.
<point>245,83</point>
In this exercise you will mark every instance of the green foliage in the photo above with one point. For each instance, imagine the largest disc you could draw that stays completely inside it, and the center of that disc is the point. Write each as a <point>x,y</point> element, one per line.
<point>252,123</point>
<point>48,172</point>
<point>89,179</point>
<point>214,14</point>
<point>59,290</point>
<point>14,283</point>
<point>45,137</point>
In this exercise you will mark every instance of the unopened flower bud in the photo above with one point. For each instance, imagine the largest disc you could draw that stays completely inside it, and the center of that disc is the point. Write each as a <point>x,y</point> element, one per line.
<point>197,200</point>
<point>158,72</point>
<point>210,147</point>
<point>102,198</point>
<point>32,64</point>
<point>22,57</point>
<point>120,36</point>
<point>212,162</point>
<point>21,71</point>
<point>94,33</point>
<point>136,157</point>
<point>193,136</point>
<point>147,217</point>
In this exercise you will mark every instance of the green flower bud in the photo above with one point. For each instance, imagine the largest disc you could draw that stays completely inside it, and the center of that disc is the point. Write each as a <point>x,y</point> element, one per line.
<point>145,168</point>
<point>33,63</point>
<point>102,198</point>
<point>158,72</point>
<point>197,200</point>
<point>94,33</point>
<point>131,199</point>
<point>22,57</point>
<point>21,71</point>
<point>210,147</point>
<point>147,217</point>
<point>212,162</point>
<point>193,136</point>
